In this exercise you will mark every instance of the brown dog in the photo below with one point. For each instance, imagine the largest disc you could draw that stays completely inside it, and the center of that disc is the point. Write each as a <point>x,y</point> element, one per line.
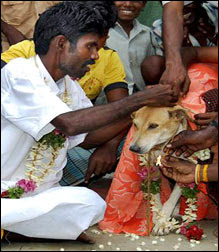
<point>155,127</point>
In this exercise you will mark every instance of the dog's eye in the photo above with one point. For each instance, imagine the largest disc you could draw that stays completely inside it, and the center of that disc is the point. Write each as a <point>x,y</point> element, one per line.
<point>153,126</point>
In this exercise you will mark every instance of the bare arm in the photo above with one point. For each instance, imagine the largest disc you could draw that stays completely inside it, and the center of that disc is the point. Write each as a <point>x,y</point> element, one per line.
<point>173,30</point>
<point>112,96</point>
<point>200,54</point>
<point>107,133</point>
<point>188,141</point>
<point>13,35</point>
<point>112,133</point>
<point>175,73</point>
<point>183,171</point>
<point>87,120</point>
<point>106,148</point>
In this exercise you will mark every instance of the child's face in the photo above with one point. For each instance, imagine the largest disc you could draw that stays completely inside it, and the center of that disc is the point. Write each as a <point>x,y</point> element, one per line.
<point>129,10</point>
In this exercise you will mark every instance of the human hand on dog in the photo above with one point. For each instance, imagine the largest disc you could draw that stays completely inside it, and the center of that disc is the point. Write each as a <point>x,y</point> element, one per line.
<point>101,162</point>
<point>160,96</point>
<point>176,75</point>
<point>182,171</point>
<point>204,119</point>
<point>189,141</point>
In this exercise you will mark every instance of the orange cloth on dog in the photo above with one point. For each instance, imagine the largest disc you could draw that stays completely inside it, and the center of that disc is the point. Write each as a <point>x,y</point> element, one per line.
<point>126,209</point>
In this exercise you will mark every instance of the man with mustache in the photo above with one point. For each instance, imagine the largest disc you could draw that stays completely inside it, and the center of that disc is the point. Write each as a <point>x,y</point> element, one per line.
<point>45,113</point>
<point>106,75</point>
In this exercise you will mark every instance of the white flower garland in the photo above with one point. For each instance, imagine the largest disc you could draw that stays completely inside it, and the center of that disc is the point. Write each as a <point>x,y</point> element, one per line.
<point>40,162</point>
<point>41,158</point>
<point>190,214</point>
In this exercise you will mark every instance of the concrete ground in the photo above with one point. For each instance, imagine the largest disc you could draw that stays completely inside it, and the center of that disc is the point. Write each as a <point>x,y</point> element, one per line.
<point>122,242</point>
<point>112,242</point>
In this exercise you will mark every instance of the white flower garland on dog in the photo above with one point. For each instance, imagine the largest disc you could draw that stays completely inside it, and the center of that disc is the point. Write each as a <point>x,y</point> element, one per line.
<point>190,215</point>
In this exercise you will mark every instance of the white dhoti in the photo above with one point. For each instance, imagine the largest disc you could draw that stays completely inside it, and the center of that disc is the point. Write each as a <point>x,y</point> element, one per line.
<point>58,213</point>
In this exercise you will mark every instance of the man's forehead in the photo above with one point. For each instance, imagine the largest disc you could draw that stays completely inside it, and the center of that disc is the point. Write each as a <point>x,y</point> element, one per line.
<point>89,37</point>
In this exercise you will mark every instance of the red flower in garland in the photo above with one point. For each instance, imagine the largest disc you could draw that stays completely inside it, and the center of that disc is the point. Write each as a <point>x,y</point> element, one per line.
<point>4,194</point>
<point>194,232</point>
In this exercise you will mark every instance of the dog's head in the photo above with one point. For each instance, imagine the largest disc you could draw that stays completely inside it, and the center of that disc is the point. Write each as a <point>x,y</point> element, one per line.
<point>155,126</point>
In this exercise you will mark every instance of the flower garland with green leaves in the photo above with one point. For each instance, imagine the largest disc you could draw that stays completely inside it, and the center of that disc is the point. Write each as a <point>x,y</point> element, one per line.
<point>42,156</point>
<point>152,188</point>
<point>40,162</point>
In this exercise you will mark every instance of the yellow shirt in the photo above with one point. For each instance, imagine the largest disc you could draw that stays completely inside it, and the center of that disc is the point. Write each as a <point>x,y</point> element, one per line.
<point>106,74</point>
<point>22,15</point>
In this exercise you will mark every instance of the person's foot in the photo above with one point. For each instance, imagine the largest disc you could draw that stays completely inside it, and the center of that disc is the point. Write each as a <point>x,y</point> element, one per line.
<point>85,239</point>
<point>14,237</point>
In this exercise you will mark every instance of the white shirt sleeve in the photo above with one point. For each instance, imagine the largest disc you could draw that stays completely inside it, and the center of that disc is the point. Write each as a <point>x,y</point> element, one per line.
<point>28,103</point>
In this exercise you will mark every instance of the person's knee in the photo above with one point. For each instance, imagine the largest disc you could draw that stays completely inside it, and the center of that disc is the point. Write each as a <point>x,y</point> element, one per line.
<point>152,68</point>
<point>98,208</point>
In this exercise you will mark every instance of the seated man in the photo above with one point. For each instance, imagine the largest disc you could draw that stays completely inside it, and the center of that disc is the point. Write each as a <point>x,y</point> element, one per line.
<point>106,73</point>
<point>45,113</point>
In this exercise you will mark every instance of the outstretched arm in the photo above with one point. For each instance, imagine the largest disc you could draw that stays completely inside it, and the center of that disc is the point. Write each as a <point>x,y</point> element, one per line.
<point>199,54</point>
<point>175,72</point>
<point>87,120</point>
<point>189,141</point>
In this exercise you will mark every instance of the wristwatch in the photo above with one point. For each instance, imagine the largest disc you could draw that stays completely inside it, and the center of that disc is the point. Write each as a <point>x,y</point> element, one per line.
<point>215,124</point>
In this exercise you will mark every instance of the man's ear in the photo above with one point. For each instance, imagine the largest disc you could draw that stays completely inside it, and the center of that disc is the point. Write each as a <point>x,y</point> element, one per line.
<point>60,42</point>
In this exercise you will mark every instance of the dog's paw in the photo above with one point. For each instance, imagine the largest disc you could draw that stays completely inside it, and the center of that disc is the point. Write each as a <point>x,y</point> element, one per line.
<point>164,225</point>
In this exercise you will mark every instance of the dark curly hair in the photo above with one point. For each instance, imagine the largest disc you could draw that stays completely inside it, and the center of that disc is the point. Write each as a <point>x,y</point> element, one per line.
<point>73,19</point>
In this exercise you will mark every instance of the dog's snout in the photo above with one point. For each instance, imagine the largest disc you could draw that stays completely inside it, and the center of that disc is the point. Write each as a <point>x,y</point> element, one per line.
<point>135,148</point>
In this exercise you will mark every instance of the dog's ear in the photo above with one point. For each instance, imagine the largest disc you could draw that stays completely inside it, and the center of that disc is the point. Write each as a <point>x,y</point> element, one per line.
<point>178,114</point>
<point>133,115</point>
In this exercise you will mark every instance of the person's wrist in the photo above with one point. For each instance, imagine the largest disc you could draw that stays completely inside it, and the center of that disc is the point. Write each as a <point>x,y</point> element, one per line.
<point>212,133</point>
<point>141,98</point>
<point>214,123</point>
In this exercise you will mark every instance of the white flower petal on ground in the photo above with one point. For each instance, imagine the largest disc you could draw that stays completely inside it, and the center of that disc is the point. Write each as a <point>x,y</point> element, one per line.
<point>192,245</point>
<point>139,249</point>
<point>192,241</point>
<point>101,246</point>
<point>176,247</point>
<point>154,242</point>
